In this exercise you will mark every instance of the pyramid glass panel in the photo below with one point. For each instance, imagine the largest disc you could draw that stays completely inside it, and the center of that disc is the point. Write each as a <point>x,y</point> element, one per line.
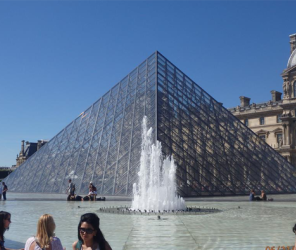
<point>215,153</point>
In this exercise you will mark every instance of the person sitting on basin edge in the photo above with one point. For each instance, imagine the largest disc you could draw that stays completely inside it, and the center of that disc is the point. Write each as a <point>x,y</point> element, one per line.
<point>44,239</point>
<point>92,192</point>
<point>252,196</point>
<point>263,196</point>
<point>89,234</point>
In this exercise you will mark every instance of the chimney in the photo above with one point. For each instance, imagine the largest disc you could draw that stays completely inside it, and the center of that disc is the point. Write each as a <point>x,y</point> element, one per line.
<point>293,42</point>
<point>38,145</point>
<point>275,95</point>
<point>244,101</point>
<point>23,147</point>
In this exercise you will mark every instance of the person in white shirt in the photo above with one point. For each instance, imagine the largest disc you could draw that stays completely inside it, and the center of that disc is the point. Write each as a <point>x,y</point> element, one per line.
<point>44,239</point>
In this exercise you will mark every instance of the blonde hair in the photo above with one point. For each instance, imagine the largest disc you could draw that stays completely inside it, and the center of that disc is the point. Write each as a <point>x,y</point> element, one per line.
<point>45,230</point>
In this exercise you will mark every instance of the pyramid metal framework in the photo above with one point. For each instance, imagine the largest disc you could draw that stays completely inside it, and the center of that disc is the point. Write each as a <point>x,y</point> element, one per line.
<point>215,153</point>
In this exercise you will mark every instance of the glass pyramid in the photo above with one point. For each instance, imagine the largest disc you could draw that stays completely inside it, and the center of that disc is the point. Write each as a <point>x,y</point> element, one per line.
<point>215,153</point>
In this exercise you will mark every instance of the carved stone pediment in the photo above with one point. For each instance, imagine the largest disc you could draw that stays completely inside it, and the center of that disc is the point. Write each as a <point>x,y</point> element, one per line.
<point>277,130</point>
<point>263,132</point>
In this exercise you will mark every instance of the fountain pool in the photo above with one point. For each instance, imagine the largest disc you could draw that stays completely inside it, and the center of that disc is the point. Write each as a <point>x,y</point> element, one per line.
<point>255,225</point>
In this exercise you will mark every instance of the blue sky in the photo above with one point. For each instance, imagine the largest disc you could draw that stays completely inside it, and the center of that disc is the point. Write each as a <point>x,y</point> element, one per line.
<point>58,57</point>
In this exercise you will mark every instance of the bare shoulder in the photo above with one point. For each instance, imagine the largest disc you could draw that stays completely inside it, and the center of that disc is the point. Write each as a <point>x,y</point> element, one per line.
<point>107,246</point>
<point>74,244</point>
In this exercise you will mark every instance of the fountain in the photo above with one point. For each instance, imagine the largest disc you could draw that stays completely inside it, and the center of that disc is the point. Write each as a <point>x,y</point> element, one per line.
<point>155,192</point>
<point>156,188</point>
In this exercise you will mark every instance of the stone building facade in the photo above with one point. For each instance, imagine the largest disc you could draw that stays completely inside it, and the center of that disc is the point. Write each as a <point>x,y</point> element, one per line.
<point>27,150</point>
<point>275,121</point>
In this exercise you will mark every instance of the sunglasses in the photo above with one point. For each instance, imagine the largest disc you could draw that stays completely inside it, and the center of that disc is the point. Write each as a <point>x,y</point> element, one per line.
<point>86,230</point>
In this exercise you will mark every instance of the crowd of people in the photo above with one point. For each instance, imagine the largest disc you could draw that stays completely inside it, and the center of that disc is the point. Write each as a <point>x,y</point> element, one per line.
<point>90,235</point>
<point>92,192</point>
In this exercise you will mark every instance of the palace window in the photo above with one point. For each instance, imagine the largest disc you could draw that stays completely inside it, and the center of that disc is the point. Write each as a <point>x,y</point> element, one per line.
<point>246,122</point>
<point>279,139</point>
<point>262,137</point>
<point>294,88</point>
<point>278,118</point>
<point>261,120</point>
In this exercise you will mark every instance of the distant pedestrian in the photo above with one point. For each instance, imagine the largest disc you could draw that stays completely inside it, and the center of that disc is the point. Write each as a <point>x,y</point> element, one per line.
<point>71,191</point>
<point>71,188</point>
<point>1,189</point>
<point>4,190</point>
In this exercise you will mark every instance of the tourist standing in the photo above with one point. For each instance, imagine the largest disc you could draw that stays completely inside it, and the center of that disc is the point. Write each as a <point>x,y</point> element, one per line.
<point>44,239</point>
<point>4,190</point>
<point>89,234</point>
<point>252,195</point>
<point>1,189</point>
<point>90,188</point>
<point>71,188</point>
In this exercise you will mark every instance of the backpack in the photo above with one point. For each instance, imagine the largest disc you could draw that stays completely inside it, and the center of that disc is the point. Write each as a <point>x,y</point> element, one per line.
<point>73,187</point>
<point>94,188</point>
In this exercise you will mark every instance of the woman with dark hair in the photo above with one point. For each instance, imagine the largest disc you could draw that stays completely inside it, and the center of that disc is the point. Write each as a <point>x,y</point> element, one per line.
<point>294,231</point>
<point>4,225</point>
<point>5,220</point>
<point>89,234</point>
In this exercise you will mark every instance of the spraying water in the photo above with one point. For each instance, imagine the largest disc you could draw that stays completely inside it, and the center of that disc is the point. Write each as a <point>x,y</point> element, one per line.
<point>156,189</point>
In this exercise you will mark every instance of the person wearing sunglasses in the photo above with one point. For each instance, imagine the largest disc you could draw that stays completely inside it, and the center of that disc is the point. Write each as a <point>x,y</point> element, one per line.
<point>89,234</point>
<point>5,220</point>
<point>44,239</point>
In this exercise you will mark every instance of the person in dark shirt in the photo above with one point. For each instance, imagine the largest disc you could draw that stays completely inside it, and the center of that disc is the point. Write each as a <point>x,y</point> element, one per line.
<point>5,220</point>
<point>4,225</point>
<point>71,188</point>
<point>252,195</point>
<point>263,196</point>
<point>4,191</point>
<point>71,191</point>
